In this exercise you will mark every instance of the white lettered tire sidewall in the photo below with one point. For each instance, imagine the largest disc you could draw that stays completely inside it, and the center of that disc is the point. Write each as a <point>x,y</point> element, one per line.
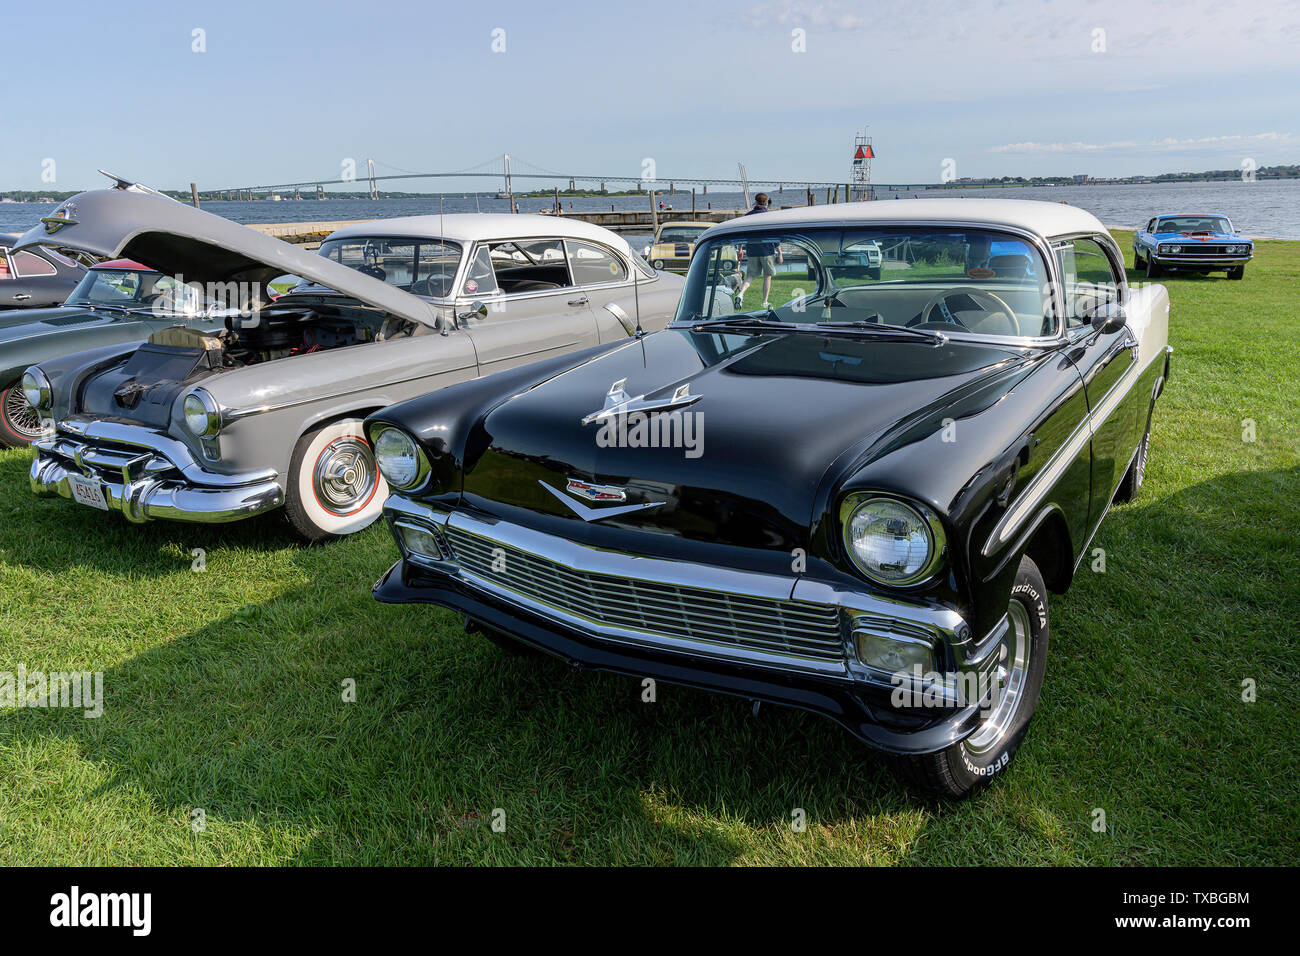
<point>973,770</point>
<point>303,503</point>
<point>958,771</point>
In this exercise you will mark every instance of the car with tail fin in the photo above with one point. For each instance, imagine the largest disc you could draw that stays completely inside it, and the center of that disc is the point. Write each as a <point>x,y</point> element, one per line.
<point>267,411</point>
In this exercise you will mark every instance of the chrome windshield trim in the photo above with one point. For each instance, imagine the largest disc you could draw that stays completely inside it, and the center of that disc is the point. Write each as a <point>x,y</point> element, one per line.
<point>1040,242</point>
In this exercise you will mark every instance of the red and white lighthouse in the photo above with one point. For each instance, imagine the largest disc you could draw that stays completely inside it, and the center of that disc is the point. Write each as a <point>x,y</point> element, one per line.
<point>860,172</point>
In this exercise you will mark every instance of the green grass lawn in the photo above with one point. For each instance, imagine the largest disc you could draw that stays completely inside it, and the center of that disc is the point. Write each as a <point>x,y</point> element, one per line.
<point>224,688</point>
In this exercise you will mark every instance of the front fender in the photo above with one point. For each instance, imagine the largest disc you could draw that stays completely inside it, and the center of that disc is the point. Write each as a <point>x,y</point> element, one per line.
<point>67,373</point>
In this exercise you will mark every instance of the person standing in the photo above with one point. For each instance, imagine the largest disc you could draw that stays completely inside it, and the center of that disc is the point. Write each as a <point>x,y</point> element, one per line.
<point>761,259</point>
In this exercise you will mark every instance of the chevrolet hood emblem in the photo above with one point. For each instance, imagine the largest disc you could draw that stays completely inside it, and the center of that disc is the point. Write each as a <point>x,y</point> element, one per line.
<point>596,493</point>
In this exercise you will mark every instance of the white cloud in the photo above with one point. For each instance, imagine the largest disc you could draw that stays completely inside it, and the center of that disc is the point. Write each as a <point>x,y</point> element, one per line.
<point>796,13</point>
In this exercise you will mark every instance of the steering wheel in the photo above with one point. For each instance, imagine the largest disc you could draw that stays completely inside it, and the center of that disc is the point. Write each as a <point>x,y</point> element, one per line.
<point>982,297</point>
<point>373,271</point>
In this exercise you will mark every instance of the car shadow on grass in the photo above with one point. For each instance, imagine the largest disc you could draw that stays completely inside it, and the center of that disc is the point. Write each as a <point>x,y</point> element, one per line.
<point>248,719</point>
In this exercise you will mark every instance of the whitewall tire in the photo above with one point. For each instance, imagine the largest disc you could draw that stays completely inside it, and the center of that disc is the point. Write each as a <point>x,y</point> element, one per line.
<point>334,488</point>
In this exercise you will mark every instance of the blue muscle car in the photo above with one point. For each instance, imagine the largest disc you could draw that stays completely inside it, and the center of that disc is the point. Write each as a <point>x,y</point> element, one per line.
<point>1196,243</point>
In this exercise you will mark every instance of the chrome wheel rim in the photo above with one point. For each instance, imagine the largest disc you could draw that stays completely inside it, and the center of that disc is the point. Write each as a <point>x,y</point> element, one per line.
<point>345,477</point>
<point>20,415</point>
<point>1012,676</point>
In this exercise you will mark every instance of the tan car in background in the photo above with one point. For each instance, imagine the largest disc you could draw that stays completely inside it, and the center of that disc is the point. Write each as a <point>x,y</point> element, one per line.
<point>673,244</point>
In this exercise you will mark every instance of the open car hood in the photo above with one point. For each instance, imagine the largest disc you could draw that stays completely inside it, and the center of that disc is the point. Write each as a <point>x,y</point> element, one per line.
<point>131,222</point>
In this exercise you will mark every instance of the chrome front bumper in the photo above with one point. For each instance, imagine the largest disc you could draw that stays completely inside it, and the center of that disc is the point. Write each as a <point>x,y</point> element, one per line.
<point>781,624</point>
<point>144,473</point>
<point>1201,262</point>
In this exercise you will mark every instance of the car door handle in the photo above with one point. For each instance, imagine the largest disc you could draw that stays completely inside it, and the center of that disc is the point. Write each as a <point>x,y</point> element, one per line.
<point>581,300</point>
<point>21,297</point>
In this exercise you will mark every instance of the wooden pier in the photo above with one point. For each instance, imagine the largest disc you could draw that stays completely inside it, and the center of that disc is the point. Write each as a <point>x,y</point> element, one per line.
<point>308,234</point>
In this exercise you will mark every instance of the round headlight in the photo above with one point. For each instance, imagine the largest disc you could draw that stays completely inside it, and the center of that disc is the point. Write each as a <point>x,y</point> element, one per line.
<point>891,542</point>
<point>400,460</point>
<point>1175,248</point>
<point>202,417</point>
<point>36,389</point>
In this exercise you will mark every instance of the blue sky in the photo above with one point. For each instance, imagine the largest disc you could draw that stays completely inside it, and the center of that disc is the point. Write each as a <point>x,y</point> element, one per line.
<point>288,90</point>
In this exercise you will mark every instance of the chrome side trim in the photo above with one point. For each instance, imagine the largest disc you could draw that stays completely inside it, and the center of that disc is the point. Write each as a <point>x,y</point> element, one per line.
<point>1043,482</point>
<point>231,415</point>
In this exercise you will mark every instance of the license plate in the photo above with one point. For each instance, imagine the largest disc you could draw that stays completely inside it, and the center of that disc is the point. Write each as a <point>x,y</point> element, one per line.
<point>88,492</point>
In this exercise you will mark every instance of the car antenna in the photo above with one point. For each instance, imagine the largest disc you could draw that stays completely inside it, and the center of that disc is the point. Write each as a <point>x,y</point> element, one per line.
<point>636,299</point>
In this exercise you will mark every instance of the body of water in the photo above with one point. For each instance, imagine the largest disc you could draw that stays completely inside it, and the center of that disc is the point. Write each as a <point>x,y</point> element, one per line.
<point>1269,208</point>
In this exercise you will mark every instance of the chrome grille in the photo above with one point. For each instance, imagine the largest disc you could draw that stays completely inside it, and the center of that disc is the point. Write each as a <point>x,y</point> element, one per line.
<point>1196,249</point>
<point>656,608</point>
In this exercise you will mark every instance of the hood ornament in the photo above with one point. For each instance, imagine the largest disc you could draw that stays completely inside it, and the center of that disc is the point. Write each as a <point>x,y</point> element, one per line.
<point>63,216</point>
<point>618,402</point>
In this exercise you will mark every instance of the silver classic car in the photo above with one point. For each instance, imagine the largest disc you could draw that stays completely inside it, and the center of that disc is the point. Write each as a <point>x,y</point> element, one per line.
<point>212,427</point>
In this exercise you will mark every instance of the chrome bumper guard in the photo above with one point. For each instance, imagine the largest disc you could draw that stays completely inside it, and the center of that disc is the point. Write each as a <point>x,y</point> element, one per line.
<point>144,473</point>
<point>767,621</point>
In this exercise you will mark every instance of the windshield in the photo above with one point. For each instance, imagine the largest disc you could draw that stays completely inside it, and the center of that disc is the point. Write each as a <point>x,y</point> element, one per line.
<point>1194,224</point>
<point>422,266</point>
<point>936,279</point>
<point>135,289</point>
<point>680,233</point>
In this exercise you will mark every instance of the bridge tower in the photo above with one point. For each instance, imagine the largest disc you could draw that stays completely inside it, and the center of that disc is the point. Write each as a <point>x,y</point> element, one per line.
<point>860,173</point>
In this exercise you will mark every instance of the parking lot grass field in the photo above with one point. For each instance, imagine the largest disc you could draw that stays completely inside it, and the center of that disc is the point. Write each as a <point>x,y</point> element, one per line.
<point>224,687</point>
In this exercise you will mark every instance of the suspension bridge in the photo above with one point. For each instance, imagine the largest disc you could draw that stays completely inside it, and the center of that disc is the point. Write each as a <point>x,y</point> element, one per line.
<point>506,169</point>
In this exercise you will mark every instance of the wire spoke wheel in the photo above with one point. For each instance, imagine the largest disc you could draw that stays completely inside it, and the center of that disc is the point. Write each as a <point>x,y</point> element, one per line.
<point>20,416</point>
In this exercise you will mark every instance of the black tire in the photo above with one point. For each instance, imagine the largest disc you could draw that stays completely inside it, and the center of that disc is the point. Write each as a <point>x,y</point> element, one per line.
<point>325,500</point>
<point>1237,272</point>
<point>876,272</point>
<point>1132,482</point>
<point>19,423</point>
<point>1153,268</point>
<point>1138,262</point>
<point>970,765</point>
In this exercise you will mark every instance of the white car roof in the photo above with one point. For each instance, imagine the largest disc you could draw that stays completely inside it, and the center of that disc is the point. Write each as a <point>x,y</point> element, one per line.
<point>1044,218</point>
<point>483,227</point>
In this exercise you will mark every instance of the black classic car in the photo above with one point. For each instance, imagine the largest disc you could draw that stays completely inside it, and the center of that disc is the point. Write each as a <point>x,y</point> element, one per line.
<point>35,278</point>
<point>854,502</point>
<point>115,302</point>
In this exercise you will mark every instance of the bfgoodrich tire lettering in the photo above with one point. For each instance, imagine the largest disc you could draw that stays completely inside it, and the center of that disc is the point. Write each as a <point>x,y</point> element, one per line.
<point>334,488</point>
<point>970,765</point>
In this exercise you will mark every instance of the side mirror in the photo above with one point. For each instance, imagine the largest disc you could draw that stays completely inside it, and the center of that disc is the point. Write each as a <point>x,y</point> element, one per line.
<point>1109,317</point>
<point>476,308</point>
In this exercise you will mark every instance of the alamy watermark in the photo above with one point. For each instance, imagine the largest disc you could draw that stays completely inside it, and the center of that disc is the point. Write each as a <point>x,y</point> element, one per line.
<point>684,430</point>
<point>74,690</point>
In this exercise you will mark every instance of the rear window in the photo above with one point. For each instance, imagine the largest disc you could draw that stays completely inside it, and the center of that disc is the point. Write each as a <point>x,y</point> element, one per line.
<point>27,266</point>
